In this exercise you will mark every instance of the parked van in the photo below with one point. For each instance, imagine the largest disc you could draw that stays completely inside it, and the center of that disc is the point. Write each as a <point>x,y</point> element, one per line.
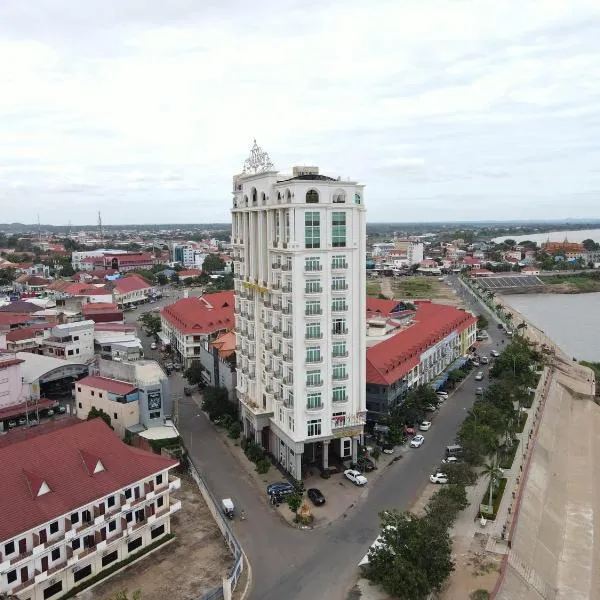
<point>454,450</point>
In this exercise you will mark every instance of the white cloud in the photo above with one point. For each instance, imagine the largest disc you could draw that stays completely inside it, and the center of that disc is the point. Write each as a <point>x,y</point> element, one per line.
<point>106,105</point>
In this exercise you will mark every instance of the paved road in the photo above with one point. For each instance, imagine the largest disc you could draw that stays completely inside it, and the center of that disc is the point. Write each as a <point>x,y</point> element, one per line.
<point>305,565</point>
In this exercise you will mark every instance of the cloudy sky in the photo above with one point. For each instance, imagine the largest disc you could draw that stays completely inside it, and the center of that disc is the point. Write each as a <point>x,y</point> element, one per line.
<point>446,109</point>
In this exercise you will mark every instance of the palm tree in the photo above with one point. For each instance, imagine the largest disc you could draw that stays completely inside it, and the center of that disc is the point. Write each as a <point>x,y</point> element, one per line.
<point>494,473</point>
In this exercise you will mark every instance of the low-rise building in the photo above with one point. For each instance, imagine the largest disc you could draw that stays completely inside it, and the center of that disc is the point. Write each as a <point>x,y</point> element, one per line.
<point>190,323</point>
<point>102,312</point>
<point>438,337</point>
<point>70,341</point>
<point>74,501</point>
<point>218,361</point>
<point>131,290</point>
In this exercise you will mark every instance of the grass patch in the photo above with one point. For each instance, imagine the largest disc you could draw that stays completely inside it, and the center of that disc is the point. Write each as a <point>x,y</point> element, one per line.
<point>373,288</point>
<point>116,566</point>
<point>507,456</point>
<point>522,421</point>
<point>582,282</point>
<point>497,498</point>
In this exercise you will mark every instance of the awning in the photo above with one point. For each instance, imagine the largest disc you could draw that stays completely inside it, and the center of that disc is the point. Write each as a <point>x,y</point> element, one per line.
<point>164,338</point>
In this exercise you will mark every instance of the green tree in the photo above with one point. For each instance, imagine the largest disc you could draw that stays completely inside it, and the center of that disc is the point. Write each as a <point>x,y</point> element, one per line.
<point>161,279</point>
<point>98,413</point>
<point>294,501</point>
<point>151,323</point>
<point>590,245</point>
<point>212,263</point>
<point>460,473</point>
<point>482,322</point>
<point>216,403</point>
<point>175,277</point>
<point>444,506</point>
<point>7,276</point>
<point>413,559</point>
<point>194,373</point>
<point>124,595</point>
<point>494,474</point>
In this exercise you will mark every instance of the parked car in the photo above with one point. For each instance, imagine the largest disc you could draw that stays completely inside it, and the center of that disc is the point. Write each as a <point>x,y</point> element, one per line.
<point>153,346</point>
<point>316,497</point>
<point>442,394</point>
<point>494,353</point>
<point>355,477</point>
<point>438,478</point>
<point>450,459</point>
<point>441,399</point>
<point>61,409</point>
<point>417,441</point>
<point>280,488</point>
<point>431,408</point>
<point>409,430</point>
<point>479,391</point>
<point>12,424</point>
<point>187,391</point>
<point>479,376</point>
<point>22,421</point>
<point>387,448</point>
<point>33,422</point>
<point>49,412</point>
<point>475,363</point>
<point>425,426</point>
<point>485,360</point>
<point>500,326</point>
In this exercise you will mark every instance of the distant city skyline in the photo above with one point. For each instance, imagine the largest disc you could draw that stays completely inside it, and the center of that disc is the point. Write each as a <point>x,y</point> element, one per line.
<point>446,111</point>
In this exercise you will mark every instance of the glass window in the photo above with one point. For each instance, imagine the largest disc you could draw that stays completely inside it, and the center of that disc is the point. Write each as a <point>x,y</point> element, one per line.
<point>339,326</point>
<point>339,393</point>
<point>312,263</point>
<point>313,307</point>
<point>312,230</point>
<point>339,349</point>
<point>338,230</point>
<point>11,576</point>
<point>291,423</point>
<point>312,197</point>
<point>313,377</point>
<point>338,262</point>
<point>56,554</point>
<point>313,354</point>
<point>338,304</point>
<point>338,283</point>
<point>314,400</point>
<point>313,286</point>
<point>313,331</point>
<point>314,427</point>
<point>339,372</point>
<point>9,548</point>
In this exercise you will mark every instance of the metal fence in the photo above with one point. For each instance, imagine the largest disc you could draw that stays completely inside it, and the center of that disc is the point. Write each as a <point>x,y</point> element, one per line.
<point>233,576</point>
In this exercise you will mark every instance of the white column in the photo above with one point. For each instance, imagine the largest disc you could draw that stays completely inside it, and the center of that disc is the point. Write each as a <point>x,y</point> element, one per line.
<point>354,449</point>
<point>325,455</point>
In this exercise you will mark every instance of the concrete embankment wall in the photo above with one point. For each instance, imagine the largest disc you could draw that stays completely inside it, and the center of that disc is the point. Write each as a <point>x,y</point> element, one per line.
<point>556,538</point>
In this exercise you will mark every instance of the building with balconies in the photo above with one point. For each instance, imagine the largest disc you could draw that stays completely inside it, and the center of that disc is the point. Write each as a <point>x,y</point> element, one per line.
<point>75,500</point>
<point>70,341</point>
<point>299,248</point>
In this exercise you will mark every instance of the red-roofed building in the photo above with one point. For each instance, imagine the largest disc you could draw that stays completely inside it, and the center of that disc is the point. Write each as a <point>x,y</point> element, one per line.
<point>27,339</point>
<point>102,312</point>
<point>132,289</point>
<point>481,273</point>
<point>75,500</point>
<point>11,321</point>
<point>190,323</point>
<point>122,262</point>
<point>418,354</point>
<point>189,274</point>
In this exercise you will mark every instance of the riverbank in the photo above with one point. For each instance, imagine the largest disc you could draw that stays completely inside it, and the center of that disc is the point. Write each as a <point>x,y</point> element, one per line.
<point>578,283</point>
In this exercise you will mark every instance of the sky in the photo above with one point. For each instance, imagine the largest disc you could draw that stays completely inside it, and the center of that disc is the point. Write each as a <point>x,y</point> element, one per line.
<point>445,109</point>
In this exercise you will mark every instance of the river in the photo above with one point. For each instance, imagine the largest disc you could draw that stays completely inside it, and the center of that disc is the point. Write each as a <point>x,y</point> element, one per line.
<point>554,236</point>
<point>571,320</point>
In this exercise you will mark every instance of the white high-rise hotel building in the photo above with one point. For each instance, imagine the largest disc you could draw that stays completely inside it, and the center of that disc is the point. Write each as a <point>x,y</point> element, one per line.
<point>299,249</point>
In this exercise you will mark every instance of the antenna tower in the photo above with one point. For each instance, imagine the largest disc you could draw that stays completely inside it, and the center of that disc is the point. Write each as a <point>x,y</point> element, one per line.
<point>100,230</point>
<point>39,229</point>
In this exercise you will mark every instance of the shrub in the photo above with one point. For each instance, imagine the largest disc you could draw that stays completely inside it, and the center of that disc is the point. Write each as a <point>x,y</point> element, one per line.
<point>294,501</point>
<point>254,452</point>
<point>497,498</point>
<point>235,430</point>
<point>263,465</point>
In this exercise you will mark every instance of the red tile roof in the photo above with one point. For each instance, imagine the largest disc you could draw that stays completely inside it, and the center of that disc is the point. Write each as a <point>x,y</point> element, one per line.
<point>13,319</point>
<point>58,459</point>
<point>207,314</point>
<point>14,410</point>
<point>189,273</point>
<point>25,433</point>
<point>20,307</point>
<point>131,283</point>
<point>392,359</point>
<point>25,333</point>
<point>225,344</point>
<point>93,307</point>
<point>113,386</point>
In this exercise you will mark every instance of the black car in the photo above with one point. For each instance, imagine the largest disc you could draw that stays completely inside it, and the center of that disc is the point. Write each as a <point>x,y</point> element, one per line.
<point>316,497</point>
<point>280,488</point>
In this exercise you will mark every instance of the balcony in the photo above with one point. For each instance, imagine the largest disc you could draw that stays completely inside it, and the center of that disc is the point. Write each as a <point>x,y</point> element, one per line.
<point>339,287</point>
<point>278,375</point>
<point>339,331</point>
<point>287,335</point>
<point>276,330</point>
<point>26,584</point>
<point>338,266</point>
<point>312,267</point>
<point>315,407</point>
<point>339,399</point>
<point>313,312</point>
<point>20,557</point>
<point>289,380</point>
<point>288,358</point>
<point>313,290</point>
<point>340,376</point>
<point>287,288</point>
<point>269,369</point>
<point>277,306</point>
<point>313,336</point>
<point>174,483</point>
<point>339,308</point>
<point>312,360</point>
<point>276,285</point>
<point>355,422</point>
<point>251,336</point>
<point>312,383</point>
<point>340,355</point>
<point>267,303</point>
<point>175,506</point>
<point>286,267</point>
<point>287,310</point>
<point>276,265</point>
<point>276,351</point>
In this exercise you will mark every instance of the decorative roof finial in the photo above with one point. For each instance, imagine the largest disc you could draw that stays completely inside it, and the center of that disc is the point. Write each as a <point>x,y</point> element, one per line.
<point>258,161</point>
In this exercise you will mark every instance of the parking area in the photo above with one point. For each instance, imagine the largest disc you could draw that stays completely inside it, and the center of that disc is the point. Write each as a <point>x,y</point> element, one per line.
<point>188,567</point>
<point>510,282</point>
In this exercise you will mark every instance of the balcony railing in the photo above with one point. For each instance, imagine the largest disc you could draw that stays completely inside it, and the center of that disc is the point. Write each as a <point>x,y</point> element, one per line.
<point>347,421</point>
<point>267,303</point>
<point>341,331</point>
<point>287,288</point>
<point>276,351</point>
<point>339,399</point>
<point>286,267</point>
<point>276,285</point>
<point>313,336</point>
<point>313,312</point>
<point>339,376</point>
<point>313,267</point>
<point>289,380</point>
<point>315,406</point>
<point>287,310</point>
<point>277,306</point>
<point>314,359</point>
<point>276,265</point>
<point>340,354</point>
<point>339,308</point>
<point>339,287</point>
<point>287,335</point>
<point>336,266</point>
<point>314,383</point>
<point>313,290</point>
<point>288,357</point>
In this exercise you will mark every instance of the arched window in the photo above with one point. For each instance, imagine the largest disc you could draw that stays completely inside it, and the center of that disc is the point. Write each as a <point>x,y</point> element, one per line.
<point>263,198</point>
<point>357,198</point>
<point>279,197</point>
<point>339,197</point>
<point>254,197</point>
<point>288,196</point>
<point>312,197</point>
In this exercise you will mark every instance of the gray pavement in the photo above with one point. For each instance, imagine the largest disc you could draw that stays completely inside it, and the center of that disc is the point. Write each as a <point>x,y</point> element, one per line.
<point>309,565</point>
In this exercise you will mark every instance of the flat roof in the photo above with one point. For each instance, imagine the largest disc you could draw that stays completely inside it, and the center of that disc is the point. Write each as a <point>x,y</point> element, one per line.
<point>163,432</point>
<point>35,366</point>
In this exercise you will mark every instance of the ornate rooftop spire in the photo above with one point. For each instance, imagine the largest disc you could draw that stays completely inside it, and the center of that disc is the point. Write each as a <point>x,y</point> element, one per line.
<point>258,161</point>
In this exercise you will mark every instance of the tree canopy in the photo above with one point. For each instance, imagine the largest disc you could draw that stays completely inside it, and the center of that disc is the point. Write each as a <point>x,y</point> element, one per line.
<point>151,323</point>
<point>96,413</point>
<point>212,263</point>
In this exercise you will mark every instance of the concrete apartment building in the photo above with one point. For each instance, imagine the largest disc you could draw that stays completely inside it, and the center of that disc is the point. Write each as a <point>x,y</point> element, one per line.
<point>75,500</point>
<point>70,341</point>
<point>299,247</point>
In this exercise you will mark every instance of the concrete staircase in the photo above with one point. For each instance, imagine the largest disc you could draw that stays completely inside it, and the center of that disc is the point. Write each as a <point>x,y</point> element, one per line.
<point>530,576</point>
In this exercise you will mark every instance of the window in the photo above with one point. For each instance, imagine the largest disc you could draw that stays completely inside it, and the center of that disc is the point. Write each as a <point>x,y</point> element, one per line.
<point>313,354</point>
<point>74,518</point>
<point>110,501</point>
<point>312,263</point>
<point>339,418</point>
<point>338,262</point>
<point>339,327</point>
<point>109,558</point>
<point>115,416</point>
<point>339,283</point>
<point>339,372</point>
<point>313,286</point>
<point>314,400</point>
<point>313,307</point>
<point>157,531</point>
<point>53,527</point>
<point>100,394</point>
<point>56,588</point>
<point>339,393</point>
<point>313,331</point>
<point>312,230</point>
<point>134,545</point>
<point>291,423</point>
<point>129,517</point>
<point>82,573</point>
<point>339,304</point>
<point>312,197</point>
<point>314,427</point>
<point>338,230</point>
<point>56,554</point>
<point>78,388</point>
<point>160,501</point>
<point>128,493</point>
<point>9,548</point>
<point>75,543</point>
<point>154,415</point>
<point>357,199</point>
<point>75,338</point>
<point>339,197</point>
<point>70,353</point>
<point>11,576</point>
<point>112,525</point>
<point>159,479</point>
<point>339,349</point>
<point>92,393</point>
<point>313,378</point>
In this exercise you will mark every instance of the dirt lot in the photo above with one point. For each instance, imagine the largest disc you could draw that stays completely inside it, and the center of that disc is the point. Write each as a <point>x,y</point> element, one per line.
<point>184,569</point>
<point>413,288</point>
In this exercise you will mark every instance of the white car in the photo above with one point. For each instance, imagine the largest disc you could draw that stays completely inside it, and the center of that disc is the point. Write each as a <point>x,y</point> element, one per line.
<point>485,360</point>
<point>442,394</point>
<point>475,363</point>
<point>355,477</point>
<point>450,460</point>
<point>153,346</point>
<point>417,441</point>
<point>494,353</point>
<point>479,376</point>
<point>441,399</point>
<point>424,426</point>
<point>438,478</point>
